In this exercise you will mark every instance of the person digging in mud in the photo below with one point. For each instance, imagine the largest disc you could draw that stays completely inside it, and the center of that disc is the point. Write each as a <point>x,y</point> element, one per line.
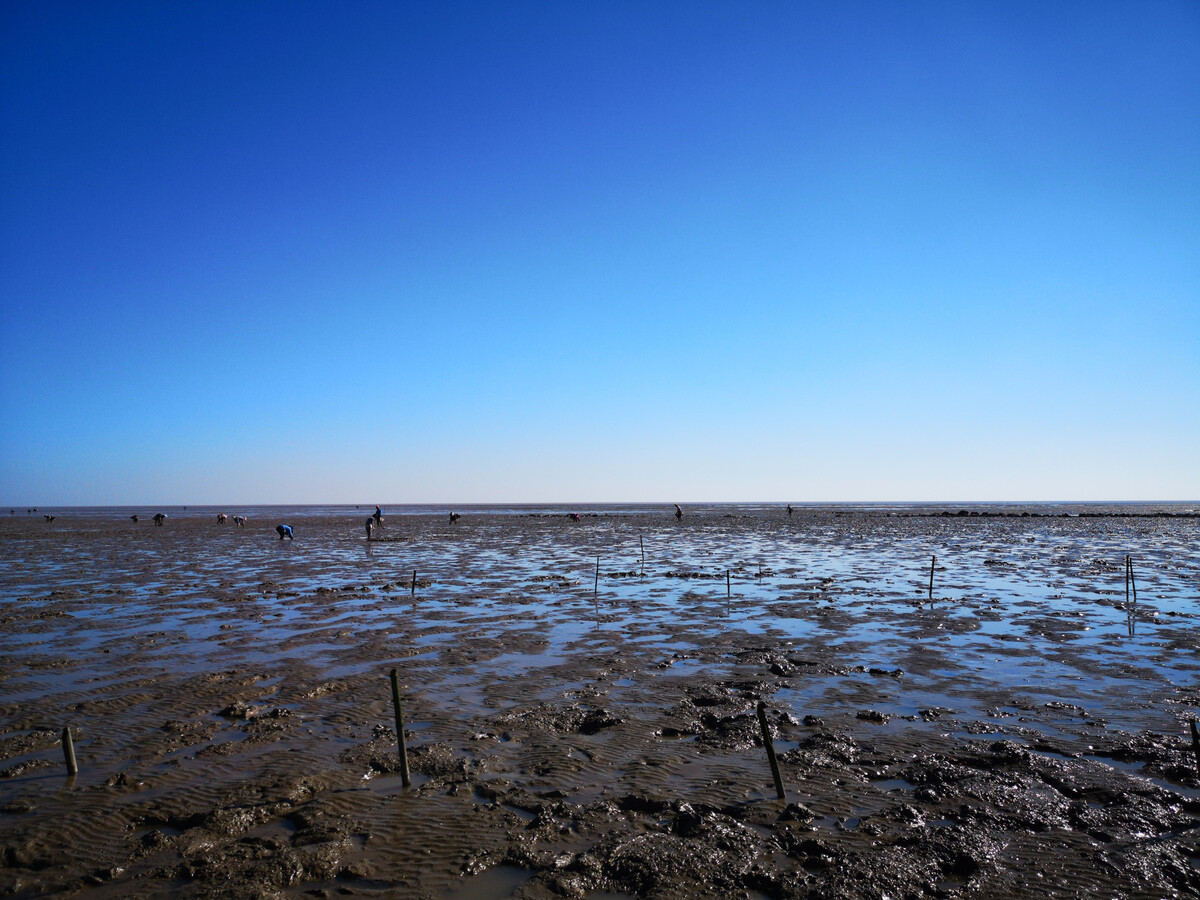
<point>678,512</point>
<point>370,526</point>
<point>377,516</point>
<point>285,531</point>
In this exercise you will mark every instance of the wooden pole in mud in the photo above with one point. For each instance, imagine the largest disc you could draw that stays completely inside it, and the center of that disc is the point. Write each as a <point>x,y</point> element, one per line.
<point>69,751</point>
<point>596,586</point>
<point>766,734</point>
<point>1132,580</point>
<point>414,584</point>
<point>642,544</point>
<point>932,566</point>
<point>404,779</point>
<point>1196,744</point>
<point>727,587</point>
<point>1126,580</point>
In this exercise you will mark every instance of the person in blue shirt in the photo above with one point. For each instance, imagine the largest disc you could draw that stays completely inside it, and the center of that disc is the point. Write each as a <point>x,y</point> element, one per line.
<point>285,531</point>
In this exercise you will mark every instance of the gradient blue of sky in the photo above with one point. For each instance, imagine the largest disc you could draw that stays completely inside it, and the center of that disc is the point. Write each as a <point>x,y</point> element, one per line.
<point>309,252</point>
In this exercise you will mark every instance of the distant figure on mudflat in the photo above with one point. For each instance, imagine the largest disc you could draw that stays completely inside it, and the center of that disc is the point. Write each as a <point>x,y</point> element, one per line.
<point>222,518</point>
<point>678,512</point>
<point>48,518</point>
<point>378,515</point>
<point>370,526</point>
<point>285,531</point>
<point>454,517</point>
<point>574,517</point>
<point>790,510</point>
<point>239,521</point>
<point>159,518</point>
<point>133,518</point>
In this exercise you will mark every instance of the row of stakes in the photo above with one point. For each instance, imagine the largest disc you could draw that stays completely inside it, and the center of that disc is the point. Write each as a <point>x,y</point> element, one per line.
<point>1129,578</point>
<point>402,745</point>
<point>406,780</point>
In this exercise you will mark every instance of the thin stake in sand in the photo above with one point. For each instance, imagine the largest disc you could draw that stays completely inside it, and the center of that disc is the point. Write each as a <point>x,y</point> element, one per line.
<point>414,584</point>
<point>932,566</point>
<point>766,735</point>
<point>642,544</point>
<point>69,751</point>
<point>404,779</point>
<point>596,586</point>
<point>1130,608</point>
<point>1196,744</point>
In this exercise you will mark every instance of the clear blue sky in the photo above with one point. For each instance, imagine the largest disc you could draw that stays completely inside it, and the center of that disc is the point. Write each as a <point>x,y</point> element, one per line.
<point>607,251</point>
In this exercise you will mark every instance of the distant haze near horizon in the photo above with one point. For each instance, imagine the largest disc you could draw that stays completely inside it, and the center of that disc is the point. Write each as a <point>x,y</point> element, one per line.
<point>463,252</point>
<point>690,507</point>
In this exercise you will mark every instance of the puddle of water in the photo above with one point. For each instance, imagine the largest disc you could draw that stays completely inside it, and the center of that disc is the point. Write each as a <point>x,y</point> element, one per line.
<point>889,785</point>
<point>494,884</point>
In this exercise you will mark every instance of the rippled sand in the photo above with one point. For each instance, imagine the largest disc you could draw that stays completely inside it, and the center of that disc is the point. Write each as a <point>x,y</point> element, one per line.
<point>595,736</point>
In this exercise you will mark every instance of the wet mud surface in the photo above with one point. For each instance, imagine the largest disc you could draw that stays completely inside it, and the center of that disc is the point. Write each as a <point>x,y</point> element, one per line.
<point>579,735</point>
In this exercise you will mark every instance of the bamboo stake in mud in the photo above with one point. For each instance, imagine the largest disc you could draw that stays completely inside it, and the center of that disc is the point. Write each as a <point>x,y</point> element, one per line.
<point>932,566</point>
<point>596,586</point>
<point>1132,580</point>
<point>727,587</point>
<point>404,779</point>
<point>69,751</point>
<point>642,544</point>
<point>766,733</point>
<point>1196,744</point>
<point>1127,581</point>
<point>414,584</point>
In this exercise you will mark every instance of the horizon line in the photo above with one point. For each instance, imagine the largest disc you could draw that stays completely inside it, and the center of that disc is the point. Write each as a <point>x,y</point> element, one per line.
<point>666,503</point>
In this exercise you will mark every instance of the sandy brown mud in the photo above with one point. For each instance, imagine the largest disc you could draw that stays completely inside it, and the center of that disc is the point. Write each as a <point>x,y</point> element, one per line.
<point>1025,733</point>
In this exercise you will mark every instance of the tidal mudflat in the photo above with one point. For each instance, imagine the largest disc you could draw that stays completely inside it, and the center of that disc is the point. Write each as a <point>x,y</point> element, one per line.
<point>575,732</point>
